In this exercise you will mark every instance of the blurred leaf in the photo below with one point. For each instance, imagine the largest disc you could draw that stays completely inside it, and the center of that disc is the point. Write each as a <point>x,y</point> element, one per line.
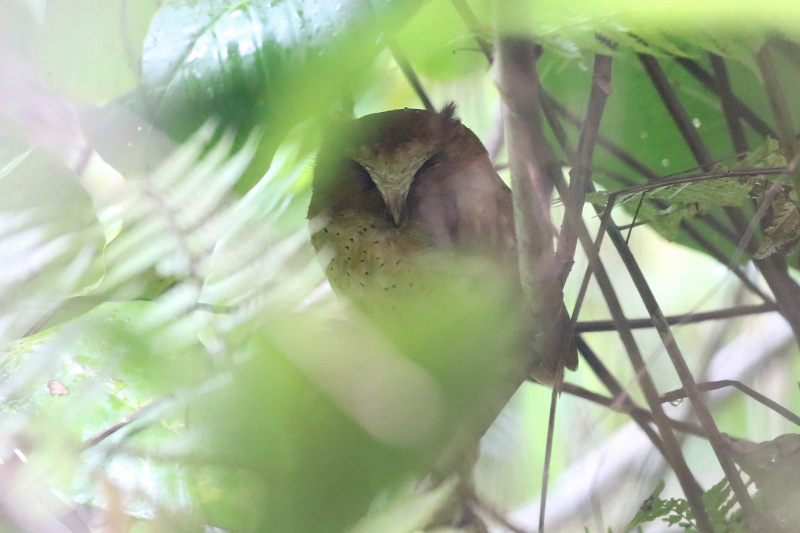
<point>438,43</point>
<point>732,29</point>
<point>89,62</point>
<point>251,63</point>
<point>685,201</point>
<point>407,513</point>
<point>774,465</point>
<point>49,237</point>
<point>783,232</point>
<point>718,501</point>
<point>322,469</point>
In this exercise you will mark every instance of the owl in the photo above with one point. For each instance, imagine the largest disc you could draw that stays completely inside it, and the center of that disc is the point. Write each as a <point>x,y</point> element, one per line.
<point>399,194</point>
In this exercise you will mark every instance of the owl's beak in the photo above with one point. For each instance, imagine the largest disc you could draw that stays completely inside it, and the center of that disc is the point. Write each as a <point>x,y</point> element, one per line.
<point>396,202</point>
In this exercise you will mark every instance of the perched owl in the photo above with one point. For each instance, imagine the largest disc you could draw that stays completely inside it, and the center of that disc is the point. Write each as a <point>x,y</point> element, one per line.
<point>395,195</point>
<point>415,230</point>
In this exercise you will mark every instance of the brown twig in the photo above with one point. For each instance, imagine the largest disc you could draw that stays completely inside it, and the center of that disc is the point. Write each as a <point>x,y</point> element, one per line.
<point>551,115</point>
<point>777,103</point>
<point>582,170</point>
<point>679,320</point>
<point>635,411</point>
<point>122,423</point>
<point>728,100</point>
<point>491,511</point>
<point>680,394</point>
<point>677,111</point>
<point>473,24</point>
<point>409,73</point>
<point>703,176</point>
<point>747,114</point>
<point>620,397</point>
<point>672,449</point>
<point>684,372</point>
<point>603,141</point>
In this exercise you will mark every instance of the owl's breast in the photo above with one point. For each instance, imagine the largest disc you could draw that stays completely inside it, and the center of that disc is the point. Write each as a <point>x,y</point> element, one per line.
<point>371,262</point>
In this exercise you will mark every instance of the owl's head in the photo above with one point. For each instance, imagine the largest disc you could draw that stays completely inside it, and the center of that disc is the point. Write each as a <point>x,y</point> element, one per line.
<point>371,163</point>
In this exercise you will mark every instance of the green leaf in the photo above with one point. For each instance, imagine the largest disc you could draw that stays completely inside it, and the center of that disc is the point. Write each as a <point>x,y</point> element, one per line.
<point>684,201</point>
<point>248,63</point>
<point>87,61</point>
<point>438,43</point>
<point>407,513</point>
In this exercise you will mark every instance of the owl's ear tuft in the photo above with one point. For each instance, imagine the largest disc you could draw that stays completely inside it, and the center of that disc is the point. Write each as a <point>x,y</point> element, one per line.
<point>449,111</point>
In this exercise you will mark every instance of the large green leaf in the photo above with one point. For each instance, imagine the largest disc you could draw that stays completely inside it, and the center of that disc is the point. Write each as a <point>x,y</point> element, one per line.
<point>88,62</point>
<point>258,63</point>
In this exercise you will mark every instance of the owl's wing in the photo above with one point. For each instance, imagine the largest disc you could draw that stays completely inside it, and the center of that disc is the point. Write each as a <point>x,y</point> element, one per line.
<point>471,209</point>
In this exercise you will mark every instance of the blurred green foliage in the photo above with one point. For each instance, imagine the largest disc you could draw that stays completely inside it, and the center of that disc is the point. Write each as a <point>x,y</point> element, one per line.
<point>247,402</point>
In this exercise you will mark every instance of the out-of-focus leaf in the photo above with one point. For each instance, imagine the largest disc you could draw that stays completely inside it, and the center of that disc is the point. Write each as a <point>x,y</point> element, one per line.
<point>49,238</point>
<point>407,513</point>
<point>783,232</point>
<point>323,470</point>
<point>733,29</point>
<point>250,63</point>
<point>225,497</point>
<point>774,466</point>
<point>438,43</point>
<point>344,413</point>
<point>87,61</point>
<point>684,201</point>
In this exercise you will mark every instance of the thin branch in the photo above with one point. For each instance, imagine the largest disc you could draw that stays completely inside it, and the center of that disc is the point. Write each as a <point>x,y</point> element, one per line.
<point>709,247</point>
<point>689,133</point>
<point>587,276</point>
<point>779,106</point>
<point>727,98</point>
<point>679,320</point>
<point>684,372</point>
<point>680,394</point>
<point>677,111</point>
<point>784,287</point>
<point>620,397</point>
<point>122,423</point>
<point>789,49</point>
<point>493,513</point>
<point>630,409</point>
<point>703,176</point>
<point>777,101</point>
<point>548,451</point>
<point>672,448</point>
<point>410,74</point>
<point>715,252</point>
<point>582,170</point>
<point>747,114</point>
<point>551,115</point>
<point>609,145</point>
<point>473,25</point>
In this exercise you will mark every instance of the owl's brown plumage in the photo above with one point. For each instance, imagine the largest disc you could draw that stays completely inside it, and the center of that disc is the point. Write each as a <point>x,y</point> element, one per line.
<point>396,192</point>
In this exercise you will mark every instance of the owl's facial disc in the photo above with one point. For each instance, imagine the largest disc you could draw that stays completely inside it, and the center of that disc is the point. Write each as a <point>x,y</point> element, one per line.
<point>393,173</point>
